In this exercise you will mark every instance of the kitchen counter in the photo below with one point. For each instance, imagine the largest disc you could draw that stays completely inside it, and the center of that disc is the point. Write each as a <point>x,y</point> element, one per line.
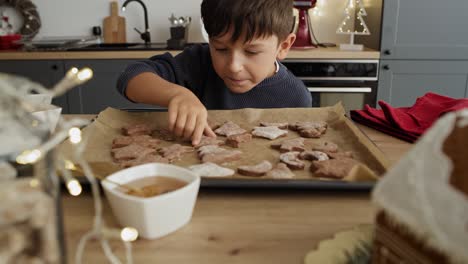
<point>319,53</point>
<point>241,226</point>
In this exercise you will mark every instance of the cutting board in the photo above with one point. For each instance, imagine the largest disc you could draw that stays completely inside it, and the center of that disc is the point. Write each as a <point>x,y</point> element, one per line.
<point>114,26</point>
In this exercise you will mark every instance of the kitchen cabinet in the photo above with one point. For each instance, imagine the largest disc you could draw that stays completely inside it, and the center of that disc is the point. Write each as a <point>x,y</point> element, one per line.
<point>45,72</point>
<point>100,92</point>
<point>424,48</point>
<point>424,29</point>
<point>404,81</point>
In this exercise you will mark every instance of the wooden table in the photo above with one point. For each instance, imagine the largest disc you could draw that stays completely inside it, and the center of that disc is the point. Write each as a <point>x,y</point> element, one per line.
<point>241,226</point>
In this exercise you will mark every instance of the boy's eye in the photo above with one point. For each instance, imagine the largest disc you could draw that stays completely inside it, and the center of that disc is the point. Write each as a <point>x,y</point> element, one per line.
<point>252,52</point>
<point>221,49</point>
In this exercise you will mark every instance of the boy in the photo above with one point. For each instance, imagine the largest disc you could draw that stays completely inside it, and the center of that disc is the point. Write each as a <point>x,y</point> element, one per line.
<point>238,69</point>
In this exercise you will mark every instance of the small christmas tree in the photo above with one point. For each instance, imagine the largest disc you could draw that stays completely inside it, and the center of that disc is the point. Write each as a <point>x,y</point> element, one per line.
<point>348,26</point>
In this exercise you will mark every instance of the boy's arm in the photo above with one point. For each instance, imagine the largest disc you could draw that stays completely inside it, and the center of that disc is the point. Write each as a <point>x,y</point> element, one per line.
<point>150,88</point>
<point>187,115</point>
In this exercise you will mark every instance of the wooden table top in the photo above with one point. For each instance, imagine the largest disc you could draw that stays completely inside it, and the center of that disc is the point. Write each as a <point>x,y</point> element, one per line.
<point>241,226</point>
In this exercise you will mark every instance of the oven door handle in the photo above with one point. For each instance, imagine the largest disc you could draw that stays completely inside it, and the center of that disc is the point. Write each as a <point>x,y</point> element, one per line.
<point>340,89</point>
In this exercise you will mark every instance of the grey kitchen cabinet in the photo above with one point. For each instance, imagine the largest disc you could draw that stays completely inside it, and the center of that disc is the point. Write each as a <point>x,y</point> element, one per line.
<point>424,48</point>
<point>45,72</point>
<point>424,29</point>
<point>100,92</point>
<point>402,81</point>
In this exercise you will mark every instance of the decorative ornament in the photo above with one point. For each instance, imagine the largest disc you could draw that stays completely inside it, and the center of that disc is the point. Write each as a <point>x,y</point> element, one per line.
<point>32,21</point>
<point>349,26</point>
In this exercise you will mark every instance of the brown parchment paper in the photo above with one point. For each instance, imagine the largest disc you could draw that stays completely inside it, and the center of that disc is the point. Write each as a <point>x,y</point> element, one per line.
<point>340,130</point>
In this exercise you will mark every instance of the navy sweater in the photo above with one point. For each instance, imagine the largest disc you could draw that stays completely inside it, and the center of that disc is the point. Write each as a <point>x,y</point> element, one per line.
<point>193,69</point>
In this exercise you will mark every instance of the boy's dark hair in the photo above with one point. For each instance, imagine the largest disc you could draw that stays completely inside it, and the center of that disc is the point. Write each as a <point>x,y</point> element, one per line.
<point>257,18</point>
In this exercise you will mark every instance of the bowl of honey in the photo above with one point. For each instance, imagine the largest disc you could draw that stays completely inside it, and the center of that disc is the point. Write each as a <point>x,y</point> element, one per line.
<point>155,198</point>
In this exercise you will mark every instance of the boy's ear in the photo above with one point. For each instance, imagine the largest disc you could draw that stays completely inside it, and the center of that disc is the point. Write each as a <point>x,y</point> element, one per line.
<point>285,45</point>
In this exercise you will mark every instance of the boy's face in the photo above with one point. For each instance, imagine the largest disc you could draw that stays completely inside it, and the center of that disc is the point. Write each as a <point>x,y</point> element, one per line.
<point>243,65</point>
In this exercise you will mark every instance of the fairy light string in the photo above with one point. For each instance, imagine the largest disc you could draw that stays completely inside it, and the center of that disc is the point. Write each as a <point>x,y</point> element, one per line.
<point>67,129</point>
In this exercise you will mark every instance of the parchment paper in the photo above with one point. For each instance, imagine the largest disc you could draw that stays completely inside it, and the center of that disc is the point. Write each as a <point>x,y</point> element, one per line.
<point>340,131</point>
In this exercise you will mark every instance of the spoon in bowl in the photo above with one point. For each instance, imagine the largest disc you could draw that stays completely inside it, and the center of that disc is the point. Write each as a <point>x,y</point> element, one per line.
<point>135,190</point>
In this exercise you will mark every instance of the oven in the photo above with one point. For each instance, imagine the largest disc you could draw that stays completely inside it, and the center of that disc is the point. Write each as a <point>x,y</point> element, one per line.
<point>353,82</point>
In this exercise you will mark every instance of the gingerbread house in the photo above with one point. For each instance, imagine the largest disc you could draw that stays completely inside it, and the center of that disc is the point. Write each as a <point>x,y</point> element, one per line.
<point>423,200</point>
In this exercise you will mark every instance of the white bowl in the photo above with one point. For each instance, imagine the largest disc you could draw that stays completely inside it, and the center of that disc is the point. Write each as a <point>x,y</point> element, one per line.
<point>49,115</point>
<point>39,99</point>
<point>44,111</point>
<point>155,216</point>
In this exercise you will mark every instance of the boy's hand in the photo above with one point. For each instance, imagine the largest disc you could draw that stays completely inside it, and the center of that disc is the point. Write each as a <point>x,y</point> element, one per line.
<point>188,117</point>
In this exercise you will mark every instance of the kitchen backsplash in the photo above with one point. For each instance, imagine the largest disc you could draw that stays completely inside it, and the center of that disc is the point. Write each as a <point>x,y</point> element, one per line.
<point>75,18</point>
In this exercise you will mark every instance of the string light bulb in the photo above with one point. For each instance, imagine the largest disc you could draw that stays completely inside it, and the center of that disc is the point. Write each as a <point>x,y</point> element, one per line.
<point>126,234</point>
<point>74,135</point>
<point>34,183</point>
<point>69,165</point>
<point>72,72</point>
<point>74,187</point>
<point>129,234</point>
<point>72,78</point>
<point>85,74</point>
<point>29,156</point>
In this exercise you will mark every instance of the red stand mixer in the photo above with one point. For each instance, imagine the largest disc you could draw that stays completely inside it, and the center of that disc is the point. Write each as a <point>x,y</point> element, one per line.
<point>304,31</point>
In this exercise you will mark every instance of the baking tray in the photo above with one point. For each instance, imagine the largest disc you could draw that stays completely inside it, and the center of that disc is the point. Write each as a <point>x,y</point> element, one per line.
<point>298,184</point>
<point>111,120</point>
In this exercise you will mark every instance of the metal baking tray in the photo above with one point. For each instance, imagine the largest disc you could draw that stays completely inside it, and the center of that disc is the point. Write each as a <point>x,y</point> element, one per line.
<point>245,183</point>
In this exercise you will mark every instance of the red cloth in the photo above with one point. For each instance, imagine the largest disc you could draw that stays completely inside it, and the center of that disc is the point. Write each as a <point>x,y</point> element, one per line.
<point>408,123</point>
<point>370,121</point>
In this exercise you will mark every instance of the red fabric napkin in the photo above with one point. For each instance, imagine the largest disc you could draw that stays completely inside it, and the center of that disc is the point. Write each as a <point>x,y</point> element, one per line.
<point>408,123</point>
<point>370,121</point>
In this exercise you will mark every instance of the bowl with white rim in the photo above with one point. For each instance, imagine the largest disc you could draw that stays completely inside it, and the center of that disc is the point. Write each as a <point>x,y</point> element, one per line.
<point>154,216</point>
